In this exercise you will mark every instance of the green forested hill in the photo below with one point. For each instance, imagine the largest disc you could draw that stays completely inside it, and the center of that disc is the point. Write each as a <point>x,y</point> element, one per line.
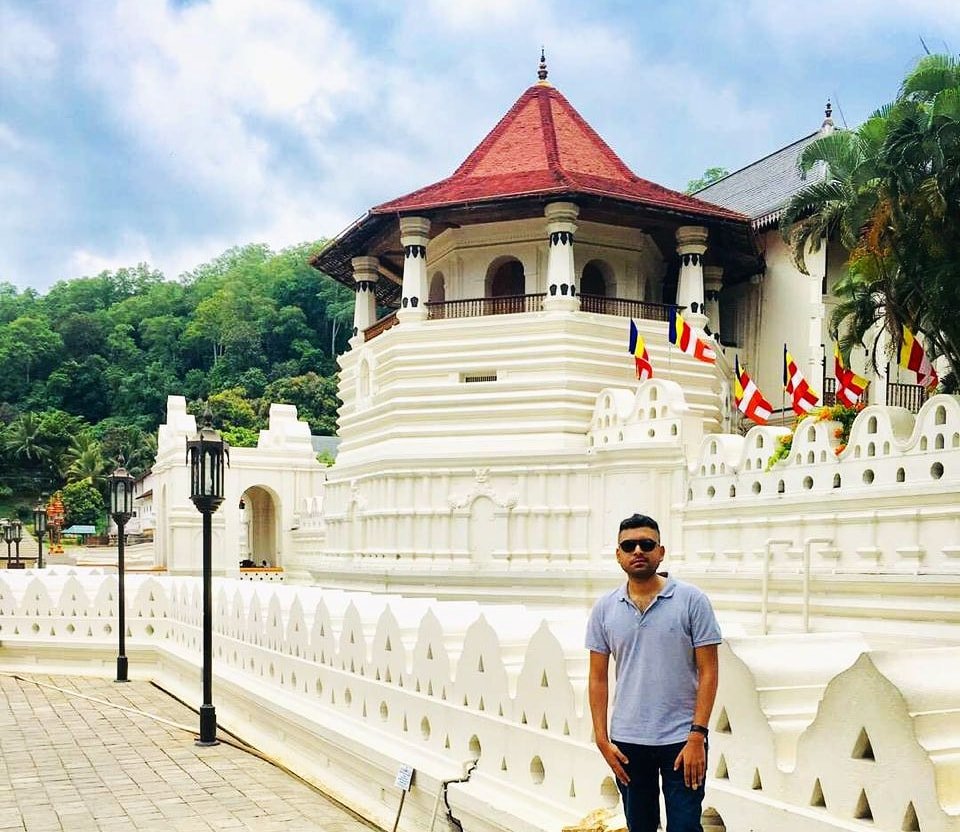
<point>87,367</point>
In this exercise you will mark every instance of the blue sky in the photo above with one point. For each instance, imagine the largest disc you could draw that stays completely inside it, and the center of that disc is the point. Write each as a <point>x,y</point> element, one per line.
<point>166,132</point>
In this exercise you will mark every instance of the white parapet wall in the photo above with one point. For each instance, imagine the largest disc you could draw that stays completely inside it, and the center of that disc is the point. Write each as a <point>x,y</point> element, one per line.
<point>810,732</point>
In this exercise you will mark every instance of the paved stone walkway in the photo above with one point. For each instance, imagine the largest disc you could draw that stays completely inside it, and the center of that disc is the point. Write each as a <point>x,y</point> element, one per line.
<point>71,765</point>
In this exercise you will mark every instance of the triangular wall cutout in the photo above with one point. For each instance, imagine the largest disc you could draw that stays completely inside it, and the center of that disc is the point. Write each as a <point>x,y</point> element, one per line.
<point>816,798</point>
<point>722,773</point>
<point>543,723</point>
<point>388,646</point>
<point>503,764</point>
<point>480,665</point>
<point>429,651</point>
<point>757,782</point>
<point>863,810</point>
<point>863,748</point>
<point>911,823</point>
<point>723,723</point>
<point>543,680</point>
<point>573,791</point>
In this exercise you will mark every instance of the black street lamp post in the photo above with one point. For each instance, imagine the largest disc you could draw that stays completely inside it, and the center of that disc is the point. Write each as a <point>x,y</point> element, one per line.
<point>206,453</point>
<point>7,530</point>
<point>40,528</point>
<point>17,535</point>
<point>12,534</point>
<point>120,485</point>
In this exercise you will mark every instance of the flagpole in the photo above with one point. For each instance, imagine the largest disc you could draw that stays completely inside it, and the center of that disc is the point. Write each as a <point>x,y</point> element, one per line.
<point>783,387</point>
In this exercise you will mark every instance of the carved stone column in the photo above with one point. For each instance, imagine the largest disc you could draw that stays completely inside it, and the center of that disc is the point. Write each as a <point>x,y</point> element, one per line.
<point>712,283</point>
<point>414,236</point>
<point>691,246</point>
<point>365,306</point>
<point>561,274</point>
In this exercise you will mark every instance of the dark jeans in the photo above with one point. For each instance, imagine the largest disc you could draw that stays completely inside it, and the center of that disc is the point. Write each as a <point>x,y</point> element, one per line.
<point>641,799</point>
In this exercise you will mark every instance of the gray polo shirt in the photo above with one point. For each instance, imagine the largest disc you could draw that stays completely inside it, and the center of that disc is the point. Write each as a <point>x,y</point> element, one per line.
<point>655,666</point>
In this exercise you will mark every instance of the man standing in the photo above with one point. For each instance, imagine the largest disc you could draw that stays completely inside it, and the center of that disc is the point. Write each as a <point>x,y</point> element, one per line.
<point>663,636</point>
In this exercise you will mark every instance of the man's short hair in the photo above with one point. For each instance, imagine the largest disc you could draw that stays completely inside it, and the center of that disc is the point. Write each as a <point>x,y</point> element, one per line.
<point>640,521</point>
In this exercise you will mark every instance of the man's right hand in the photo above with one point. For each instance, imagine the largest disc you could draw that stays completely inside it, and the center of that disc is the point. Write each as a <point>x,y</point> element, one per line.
<point>616,759</point>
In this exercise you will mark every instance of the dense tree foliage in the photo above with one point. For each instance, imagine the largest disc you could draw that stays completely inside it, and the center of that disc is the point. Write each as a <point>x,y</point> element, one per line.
<point>89,365</point>
<point>891,195</point>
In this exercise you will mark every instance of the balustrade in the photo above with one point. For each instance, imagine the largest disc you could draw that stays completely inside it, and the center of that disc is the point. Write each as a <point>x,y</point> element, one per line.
<point>513,304</point>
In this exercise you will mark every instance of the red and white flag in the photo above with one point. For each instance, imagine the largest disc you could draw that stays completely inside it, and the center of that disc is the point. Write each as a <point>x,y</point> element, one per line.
<point>850,386</point>
<point>803,395</point>
<point>913,357</point>
<point>749,400</point>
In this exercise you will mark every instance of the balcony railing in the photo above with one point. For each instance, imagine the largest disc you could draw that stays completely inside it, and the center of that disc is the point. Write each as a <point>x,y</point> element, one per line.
<point>382,325</point>
<point>480,307</point>
<point>910,396</point>
<point>829,391</point>
<point>512,304</point>
<point>623,308</point>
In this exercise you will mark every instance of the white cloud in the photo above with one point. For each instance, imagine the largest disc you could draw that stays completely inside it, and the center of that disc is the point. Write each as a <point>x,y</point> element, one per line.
<point>203,87</point>
<point>26,50</point>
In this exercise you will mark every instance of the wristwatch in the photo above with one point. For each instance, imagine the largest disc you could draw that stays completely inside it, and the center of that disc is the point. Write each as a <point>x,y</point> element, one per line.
<point>699,729</point>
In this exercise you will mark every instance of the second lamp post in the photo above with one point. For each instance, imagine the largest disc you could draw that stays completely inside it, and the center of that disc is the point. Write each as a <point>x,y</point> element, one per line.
<point>40,527</point>
<point>120,484</point>
<point>206,453</point>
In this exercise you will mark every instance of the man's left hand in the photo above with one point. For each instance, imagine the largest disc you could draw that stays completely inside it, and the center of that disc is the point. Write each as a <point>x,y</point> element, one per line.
<point>693,758</point>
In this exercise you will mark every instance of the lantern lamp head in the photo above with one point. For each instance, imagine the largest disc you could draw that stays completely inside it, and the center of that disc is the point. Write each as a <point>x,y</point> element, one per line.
<point>40,517</point>
<point>207,454</point>
<point>120,484</point>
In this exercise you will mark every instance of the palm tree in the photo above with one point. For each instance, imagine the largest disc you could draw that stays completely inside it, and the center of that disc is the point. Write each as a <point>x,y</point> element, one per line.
<point>84,460</point>
<point>891,196</point>
<point>23,439</point>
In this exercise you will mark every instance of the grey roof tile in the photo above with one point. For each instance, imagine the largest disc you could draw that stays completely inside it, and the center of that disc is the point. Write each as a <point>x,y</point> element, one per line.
<point>762,189</point>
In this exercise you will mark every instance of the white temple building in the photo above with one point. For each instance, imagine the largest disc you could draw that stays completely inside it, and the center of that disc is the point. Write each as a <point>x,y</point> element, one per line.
<point>437,578</point>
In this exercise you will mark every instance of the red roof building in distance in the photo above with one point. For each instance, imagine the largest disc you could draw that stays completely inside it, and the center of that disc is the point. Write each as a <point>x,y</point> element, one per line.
<point>541,151</point>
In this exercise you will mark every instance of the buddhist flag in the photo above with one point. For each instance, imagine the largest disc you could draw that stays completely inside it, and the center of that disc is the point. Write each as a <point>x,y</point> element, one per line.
<point>748,398</point>
<point>912,357</point>
<point>803,395</point>
<point>683,335</point>
<point>850,386</point>
<point>638,350</point>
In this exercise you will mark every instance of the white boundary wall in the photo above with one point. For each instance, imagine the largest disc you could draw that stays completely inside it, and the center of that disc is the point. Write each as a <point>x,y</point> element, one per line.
<point>810,732</point>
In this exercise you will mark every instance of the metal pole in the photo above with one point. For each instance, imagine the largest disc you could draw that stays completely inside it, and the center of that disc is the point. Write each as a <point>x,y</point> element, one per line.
<point>396,822</point>
<point>208,715</point>
<point>39,550</point>
<point>16,544</point>
<point>765,579</point>
<point>122,654</point>
<point>807,546</point>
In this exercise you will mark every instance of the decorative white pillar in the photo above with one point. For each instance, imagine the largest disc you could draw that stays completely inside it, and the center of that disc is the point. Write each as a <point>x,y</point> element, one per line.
<point>712,283</point>
<point>365,306</point>
<point>414,236</point>
<point>691,246</point>
<point>561,274</point>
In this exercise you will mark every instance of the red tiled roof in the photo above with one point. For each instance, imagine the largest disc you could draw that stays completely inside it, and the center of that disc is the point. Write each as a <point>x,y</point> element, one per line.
<point>541,146</point>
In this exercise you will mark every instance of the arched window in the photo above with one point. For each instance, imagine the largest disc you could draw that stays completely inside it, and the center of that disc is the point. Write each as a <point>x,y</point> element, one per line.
<point>438,288</point>
<point>593,280</point>
<point>505,279</point>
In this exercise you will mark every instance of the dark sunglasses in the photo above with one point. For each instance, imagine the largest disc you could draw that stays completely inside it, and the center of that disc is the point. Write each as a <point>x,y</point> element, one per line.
<point>645,544</point>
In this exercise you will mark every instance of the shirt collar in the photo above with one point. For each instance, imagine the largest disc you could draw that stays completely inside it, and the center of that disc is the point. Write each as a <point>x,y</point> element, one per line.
<point>666,592</point>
